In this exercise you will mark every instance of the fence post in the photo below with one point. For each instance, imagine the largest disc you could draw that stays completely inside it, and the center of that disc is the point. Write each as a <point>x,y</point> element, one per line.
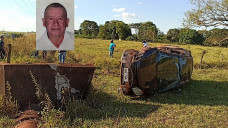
<point>201,61</point>
<point>9,53</point>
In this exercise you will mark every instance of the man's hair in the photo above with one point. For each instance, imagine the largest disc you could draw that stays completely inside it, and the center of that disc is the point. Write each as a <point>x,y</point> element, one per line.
<point>55,5</point>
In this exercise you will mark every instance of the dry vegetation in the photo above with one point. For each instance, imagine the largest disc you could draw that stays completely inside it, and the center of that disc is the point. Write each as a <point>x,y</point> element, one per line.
<point>202,102</point>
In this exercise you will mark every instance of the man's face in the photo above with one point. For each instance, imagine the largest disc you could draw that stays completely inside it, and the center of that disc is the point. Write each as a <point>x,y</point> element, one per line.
<point>55,21</point>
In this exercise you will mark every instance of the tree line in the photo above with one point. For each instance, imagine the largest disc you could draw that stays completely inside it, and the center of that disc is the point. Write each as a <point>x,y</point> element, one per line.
<point>148,31</point>
<point>213,37</point>
<point>117,30</point>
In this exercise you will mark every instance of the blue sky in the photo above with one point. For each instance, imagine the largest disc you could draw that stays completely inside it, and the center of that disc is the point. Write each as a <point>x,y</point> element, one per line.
<point>20,15</point>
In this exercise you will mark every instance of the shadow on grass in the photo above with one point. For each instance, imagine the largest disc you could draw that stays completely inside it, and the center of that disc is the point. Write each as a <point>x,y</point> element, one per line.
<point>196,92</point>
<point>100,105</point>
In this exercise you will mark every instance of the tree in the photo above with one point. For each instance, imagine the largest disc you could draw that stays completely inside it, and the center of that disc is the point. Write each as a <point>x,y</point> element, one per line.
<point>77,32</point>
<point>89,28</point>
<point>148,31</point>
<point>122,30</point>
<point>173,35</point>
<point>161,37</point>
<point>207,13</point>
<point>190,36</point>
<point>216,37</point>
<point>111,27</point>
<point>108,30</point>
<point>102,33</point>
<point>114,30</point>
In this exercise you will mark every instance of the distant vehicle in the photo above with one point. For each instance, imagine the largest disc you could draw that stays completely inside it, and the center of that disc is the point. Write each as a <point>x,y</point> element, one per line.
<point>156,69</point>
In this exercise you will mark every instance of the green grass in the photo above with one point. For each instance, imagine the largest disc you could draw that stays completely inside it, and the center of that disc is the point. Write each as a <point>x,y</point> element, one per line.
<point>203,102</point>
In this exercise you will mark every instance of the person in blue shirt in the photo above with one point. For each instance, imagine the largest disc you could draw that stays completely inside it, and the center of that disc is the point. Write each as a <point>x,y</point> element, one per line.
<point>111,48</point>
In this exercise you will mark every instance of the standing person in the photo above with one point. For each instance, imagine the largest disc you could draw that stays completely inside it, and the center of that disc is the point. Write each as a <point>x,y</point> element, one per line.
<point>13,36</point>
<point>2,51</point>
<point>62,56</point>
<point>44,54</point>
<point>111,48</point>
<point>145,44</point>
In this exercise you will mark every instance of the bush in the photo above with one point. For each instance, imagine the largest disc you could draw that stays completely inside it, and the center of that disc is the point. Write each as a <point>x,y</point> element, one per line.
<point>216,37</point>
<point>190,36</point>
<point>224,43</point>
<point>129,38</point>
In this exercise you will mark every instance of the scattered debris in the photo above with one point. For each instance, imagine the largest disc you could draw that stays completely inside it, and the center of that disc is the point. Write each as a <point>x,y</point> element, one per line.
<point>28,119</point>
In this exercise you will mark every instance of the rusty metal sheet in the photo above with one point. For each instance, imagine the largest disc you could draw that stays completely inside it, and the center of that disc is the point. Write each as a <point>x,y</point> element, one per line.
<point>156,69</point>
<point>50,77</point>
<point>28,119</point>
<point>2,80</point>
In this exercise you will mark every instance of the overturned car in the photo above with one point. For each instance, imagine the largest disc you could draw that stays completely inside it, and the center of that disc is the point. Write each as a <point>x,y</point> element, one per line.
<point>156,69</point>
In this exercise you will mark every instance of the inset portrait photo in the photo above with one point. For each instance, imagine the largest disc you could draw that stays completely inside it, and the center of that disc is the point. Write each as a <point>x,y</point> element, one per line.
<point>55,25</point>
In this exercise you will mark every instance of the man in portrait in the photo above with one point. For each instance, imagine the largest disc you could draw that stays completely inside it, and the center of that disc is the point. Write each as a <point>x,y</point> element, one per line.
<point>55,37</point>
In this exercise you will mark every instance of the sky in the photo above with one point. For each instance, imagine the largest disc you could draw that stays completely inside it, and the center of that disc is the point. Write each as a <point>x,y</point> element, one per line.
<point>20,15</point>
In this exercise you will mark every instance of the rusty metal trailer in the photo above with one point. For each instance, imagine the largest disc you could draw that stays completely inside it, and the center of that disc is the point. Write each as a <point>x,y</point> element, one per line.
<point>52,78</point>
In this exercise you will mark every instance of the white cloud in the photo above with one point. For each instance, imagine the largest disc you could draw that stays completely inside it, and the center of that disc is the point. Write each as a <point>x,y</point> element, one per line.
<point>75,6</point>
<point>119,10</point>
<point>139,3</point>
<point>116,15</point>
<point>127,16</point>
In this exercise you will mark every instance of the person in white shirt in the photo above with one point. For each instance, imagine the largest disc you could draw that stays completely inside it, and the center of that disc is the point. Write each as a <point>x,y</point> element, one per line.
<point>145,44</point>
<point>55,37</point>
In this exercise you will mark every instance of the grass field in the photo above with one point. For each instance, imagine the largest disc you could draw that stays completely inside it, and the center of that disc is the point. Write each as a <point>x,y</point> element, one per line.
<point>203,102</point>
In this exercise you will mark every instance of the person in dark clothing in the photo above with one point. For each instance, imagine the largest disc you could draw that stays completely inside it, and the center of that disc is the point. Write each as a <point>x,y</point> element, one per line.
<point>44,54</point>
<point>2,51</point>
<point>62,56</point>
